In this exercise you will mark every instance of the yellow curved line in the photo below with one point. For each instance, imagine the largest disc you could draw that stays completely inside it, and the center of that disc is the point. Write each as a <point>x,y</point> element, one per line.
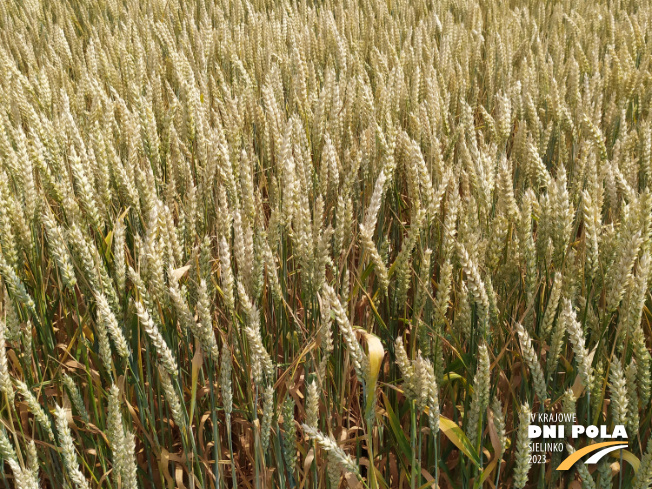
<point>571,459</point>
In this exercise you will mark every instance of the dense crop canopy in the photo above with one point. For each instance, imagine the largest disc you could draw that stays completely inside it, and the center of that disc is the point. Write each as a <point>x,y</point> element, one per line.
<point>264,243</point>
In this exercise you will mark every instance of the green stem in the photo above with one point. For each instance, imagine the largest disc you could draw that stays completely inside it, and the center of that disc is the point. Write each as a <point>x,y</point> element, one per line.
<point>437,460</point>
<point>413,441</point>
<point>373,483</point>
<point>234,476</point>
<point>256,440</point>
<point>498,471</point>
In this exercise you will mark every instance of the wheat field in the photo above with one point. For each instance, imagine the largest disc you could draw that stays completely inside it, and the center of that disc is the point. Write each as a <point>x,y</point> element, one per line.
<point>310,244</point>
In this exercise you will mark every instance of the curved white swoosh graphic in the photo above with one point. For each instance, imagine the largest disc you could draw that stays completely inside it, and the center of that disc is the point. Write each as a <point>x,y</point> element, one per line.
<point>598,455</point>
